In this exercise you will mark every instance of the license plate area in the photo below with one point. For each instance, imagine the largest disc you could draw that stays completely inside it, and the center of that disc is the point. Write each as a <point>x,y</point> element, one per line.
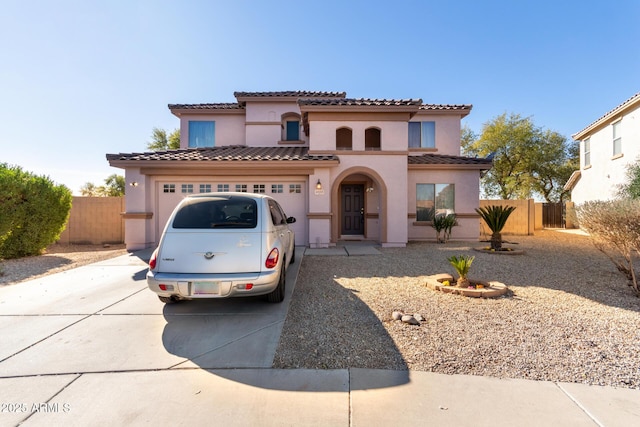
<point>206,288</point>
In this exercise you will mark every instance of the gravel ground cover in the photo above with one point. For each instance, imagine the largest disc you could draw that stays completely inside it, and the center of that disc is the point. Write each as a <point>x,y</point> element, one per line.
<point>55,259</point>
<point>569,315</point>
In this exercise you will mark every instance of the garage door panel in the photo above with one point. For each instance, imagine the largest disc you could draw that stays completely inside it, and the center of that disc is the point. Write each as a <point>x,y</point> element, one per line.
<point>290,194</point>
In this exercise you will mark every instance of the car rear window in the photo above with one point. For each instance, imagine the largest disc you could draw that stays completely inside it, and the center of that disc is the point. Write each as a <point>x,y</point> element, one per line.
<point>232,212</point>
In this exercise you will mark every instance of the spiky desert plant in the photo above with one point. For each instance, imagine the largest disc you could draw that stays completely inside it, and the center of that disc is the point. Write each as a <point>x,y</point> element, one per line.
<point>495,216</point>
<point>443,223</point>
<point>461,264</point>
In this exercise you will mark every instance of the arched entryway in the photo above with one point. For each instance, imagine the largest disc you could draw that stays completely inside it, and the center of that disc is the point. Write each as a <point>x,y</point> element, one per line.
<point>359,203</point>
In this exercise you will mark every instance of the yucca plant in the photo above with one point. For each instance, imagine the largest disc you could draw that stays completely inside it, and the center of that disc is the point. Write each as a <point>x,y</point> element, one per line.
<point>495,217</point>
<point>462,264</point>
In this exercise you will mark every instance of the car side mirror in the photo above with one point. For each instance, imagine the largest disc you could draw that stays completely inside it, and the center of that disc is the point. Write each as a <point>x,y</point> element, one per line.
<point>291,220</point>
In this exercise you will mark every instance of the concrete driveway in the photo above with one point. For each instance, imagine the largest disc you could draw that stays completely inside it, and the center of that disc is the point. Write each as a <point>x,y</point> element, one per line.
<point>93,346</point>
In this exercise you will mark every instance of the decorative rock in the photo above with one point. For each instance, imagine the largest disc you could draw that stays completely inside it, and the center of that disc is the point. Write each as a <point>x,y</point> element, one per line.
<point>418,317</point>
<point>407,318</point>
<point>396,315</point>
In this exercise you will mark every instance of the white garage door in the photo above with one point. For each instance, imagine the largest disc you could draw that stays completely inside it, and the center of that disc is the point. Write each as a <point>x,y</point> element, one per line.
<point>290,194</point>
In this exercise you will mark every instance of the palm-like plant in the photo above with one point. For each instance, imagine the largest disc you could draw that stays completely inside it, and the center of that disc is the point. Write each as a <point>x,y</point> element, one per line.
<point>495,217</point>
<point>443,222</point>
<point>461,264</point>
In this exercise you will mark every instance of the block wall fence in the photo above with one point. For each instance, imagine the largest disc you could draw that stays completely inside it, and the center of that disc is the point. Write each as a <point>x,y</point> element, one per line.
<point>98,220</point>
<point>95,220</point>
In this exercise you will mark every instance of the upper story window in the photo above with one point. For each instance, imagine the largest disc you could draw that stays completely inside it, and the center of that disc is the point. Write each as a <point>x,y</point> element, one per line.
<point>291,127</point>
<point>422,134</point>
<point>202,134</point>
<point>617,139</point>
<point>372,139</point>
<point>344,139</point>
<point>587,152</point>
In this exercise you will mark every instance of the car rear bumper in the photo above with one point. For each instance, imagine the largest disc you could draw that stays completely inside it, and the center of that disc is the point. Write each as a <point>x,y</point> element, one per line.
<point>196,286</point>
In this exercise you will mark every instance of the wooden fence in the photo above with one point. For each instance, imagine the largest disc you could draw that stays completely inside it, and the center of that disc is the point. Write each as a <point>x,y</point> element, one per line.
<point>95,220</point>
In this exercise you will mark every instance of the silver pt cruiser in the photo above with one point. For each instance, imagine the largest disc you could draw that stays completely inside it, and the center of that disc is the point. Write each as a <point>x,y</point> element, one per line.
<point>218,245</point>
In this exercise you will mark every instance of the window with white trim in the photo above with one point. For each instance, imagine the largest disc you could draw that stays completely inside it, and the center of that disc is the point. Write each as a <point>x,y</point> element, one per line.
<point>223,188</point>
<point>277,188</point>
<point>187,188</point>
<point>205,188</point>
<point>242,188</point>
<point>587,152</point>
<point>617,138</point>
<point>168,188</point>
<point>259,188</point>
<point>295,188</point>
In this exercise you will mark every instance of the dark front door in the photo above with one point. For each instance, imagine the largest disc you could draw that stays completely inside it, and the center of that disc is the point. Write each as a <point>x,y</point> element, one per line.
<point>352,209</point>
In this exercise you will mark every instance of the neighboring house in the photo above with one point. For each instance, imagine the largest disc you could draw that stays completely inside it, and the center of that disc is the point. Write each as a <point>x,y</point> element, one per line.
<point>607,146</point>
<point>345,168</point>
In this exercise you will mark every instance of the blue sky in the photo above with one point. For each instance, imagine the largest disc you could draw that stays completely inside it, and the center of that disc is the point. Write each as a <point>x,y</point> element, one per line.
<point>82,78</point>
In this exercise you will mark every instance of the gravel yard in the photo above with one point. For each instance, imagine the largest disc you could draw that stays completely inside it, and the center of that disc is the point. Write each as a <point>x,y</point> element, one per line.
<point>56,258</point>
<point>569,317</point>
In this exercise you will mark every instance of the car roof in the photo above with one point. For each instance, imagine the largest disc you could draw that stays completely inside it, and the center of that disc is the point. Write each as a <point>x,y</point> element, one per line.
<point>228,194</point>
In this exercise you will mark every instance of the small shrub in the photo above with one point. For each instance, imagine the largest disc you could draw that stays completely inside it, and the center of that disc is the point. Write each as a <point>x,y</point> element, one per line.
<point>33,212</point>
<point>614,227</point>
<point>461,264</point>
<point>444,224</point>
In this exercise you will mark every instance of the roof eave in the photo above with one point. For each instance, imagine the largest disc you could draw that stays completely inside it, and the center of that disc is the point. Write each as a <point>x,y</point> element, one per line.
<point>445,166</point>
<point>359,108</point>
<point>630,104</point>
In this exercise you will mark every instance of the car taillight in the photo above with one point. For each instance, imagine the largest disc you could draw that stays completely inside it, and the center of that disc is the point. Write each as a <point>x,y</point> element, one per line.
<point>272,258</point>
<point>153,260</point>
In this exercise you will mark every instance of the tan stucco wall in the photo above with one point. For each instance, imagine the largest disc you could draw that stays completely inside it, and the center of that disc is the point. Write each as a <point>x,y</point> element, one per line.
<point>466,200</point>
<point>447,132</point>
<point>94,220</point>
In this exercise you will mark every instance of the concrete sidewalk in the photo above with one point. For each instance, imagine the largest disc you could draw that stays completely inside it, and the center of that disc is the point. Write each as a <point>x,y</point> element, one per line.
<point>268,397</point>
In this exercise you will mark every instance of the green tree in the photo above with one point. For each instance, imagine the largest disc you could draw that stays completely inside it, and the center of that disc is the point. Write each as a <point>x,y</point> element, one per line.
<point>33,212</point>
<point>527,160</point>
<point>114,187</point>
<point>631,189</point>
<point>161,141</point>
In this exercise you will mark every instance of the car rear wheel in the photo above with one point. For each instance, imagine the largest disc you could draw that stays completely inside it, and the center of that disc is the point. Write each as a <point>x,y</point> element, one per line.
<point>278,293</point>
<point>167,300</point>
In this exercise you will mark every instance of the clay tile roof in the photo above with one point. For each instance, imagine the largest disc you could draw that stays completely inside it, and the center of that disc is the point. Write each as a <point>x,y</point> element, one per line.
<point>290,93</point>
<point>439,107</point>
<point>225,153</point>
<point>609,115</point>
<point>441,159</point>
<point>216,106</point>
<point>360,102</point>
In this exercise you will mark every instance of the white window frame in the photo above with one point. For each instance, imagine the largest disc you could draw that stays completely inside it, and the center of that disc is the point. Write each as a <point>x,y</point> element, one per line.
<point>617,138</point>
<point>587,152</point>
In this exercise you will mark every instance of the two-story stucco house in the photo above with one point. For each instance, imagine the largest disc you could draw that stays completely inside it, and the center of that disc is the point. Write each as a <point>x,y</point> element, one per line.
<point>345,168</point>
<point>607,146</point>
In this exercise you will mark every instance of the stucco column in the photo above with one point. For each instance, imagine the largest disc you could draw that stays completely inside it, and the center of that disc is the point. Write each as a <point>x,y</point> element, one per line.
<point>319,214</point>
<point>137,218</point>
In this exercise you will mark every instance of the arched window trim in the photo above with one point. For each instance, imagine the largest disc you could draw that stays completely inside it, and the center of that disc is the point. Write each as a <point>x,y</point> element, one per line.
<point>286,127</point>
<point>346,146</point>
<point>376,143</point>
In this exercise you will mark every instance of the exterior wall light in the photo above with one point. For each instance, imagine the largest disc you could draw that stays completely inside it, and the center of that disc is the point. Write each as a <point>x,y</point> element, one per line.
<point>319,185</point>
<point>133,184</point>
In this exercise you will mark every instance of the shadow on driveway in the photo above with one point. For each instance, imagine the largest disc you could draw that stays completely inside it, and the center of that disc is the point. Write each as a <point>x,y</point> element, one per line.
<point>233,337</point>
